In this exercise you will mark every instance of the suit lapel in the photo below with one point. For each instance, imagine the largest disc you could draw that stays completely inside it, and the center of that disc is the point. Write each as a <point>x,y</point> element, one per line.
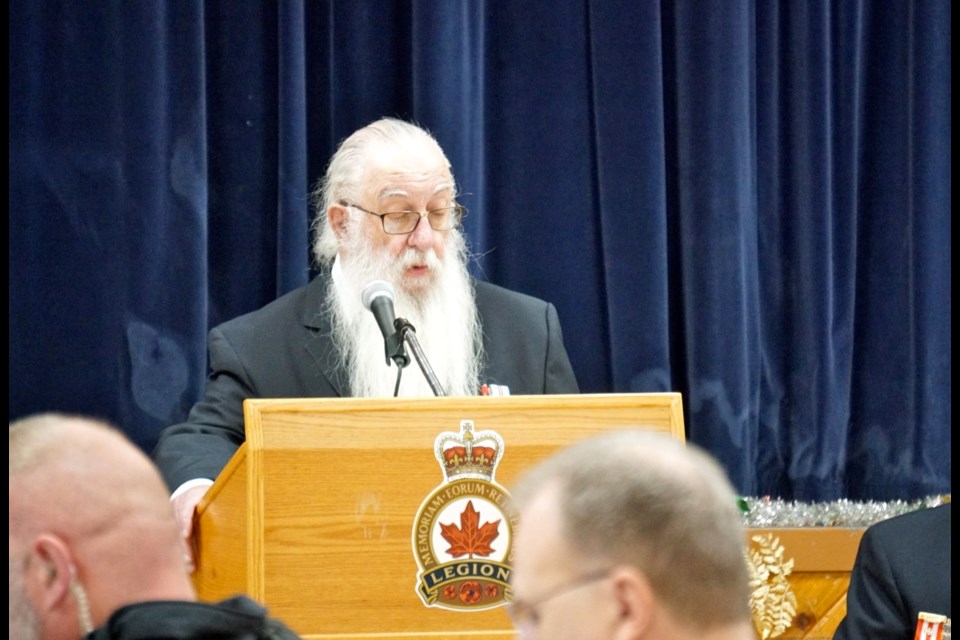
<point>320,347</point>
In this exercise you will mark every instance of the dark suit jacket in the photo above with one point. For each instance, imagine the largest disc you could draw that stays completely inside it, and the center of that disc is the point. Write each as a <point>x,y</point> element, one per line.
<point>238,618</point>
<point>283,350</point>
<point>902,568</point>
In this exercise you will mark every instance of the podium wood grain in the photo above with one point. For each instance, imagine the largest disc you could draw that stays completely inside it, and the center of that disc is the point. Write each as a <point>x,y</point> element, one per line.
<point>314,515</point>
<point>822,560</point>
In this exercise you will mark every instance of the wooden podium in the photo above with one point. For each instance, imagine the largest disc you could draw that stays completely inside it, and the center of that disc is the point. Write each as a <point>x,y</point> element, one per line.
<point>815,600</point>
<point>317,514</point>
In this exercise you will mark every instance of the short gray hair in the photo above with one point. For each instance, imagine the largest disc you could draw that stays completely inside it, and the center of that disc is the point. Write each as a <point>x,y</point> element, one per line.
<point>645,499</point>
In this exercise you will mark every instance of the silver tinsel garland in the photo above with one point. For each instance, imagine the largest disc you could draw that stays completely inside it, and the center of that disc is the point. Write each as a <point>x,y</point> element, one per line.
<point>776,514</point>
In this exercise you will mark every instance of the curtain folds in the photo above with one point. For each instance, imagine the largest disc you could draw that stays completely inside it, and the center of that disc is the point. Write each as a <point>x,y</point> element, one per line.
<point>745,202</point>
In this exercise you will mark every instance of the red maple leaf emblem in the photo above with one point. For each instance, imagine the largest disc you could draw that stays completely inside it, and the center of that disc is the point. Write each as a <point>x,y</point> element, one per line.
<point>470,539</point>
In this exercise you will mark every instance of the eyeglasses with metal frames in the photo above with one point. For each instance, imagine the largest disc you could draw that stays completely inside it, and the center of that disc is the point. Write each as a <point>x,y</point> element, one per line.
<point>398,223</point>
<point>525,614</point>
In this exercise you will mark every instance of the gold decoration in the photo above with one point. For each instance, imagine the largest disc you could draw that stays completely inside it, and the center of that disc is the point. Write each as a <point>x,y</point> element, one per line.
<point>773,604</point>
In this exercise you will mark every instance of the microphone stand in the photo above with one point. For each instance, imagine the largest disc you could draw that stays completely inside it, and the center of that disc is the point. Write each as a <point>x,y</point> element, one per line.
<point>407,334</point>
<point>394,349</point>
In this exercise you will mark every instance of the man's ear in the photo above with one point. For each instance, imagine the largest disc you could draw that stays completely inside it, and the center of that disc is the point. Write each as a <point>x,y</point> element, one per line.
<point>635,600</point>
<point>51,570</point>
<point>337,216</point>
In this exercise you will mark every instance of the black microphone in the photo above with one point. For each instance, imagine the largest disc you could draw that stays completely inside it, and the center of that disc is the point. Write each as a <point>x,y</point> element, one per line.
<point>378,298</point>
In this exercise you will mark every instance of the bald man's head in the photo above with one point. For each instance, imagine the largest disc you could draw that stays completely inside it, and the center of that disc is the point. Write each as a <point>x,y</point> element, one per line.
<point>60,462</point>
<point>91,525</point>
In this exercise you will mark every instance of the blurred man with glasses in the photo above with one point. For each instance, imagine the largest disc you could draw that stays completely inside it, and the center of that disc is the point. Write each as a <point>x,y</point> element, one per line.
<point>386,210</point>
<point>629,535</point>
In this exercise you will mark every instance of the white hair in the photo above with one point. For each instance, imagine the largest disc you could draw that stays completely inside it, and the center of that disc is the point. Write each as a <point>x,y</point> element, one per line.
<point>349,166</point>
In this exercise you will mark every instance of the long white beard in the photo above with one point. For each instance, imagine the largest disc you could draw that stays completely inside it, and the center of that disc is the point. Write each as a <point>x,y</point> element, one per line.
<point>443,315</point>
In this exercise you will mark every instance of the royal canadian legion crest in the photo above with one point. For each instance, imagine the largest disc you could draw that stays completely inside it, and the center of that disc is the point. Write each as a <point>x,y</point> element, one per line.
<point>462,536</point>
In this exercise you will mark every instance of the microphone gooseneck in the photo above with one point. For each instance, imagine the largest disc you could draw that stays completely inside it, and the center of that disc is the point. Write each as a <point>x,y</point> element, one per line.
<point>407,333</point>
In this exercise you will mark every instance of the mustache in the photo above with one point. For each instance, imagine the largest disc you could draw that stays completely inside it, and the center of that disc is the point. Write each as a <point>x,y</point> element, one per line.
<point>415,257</point>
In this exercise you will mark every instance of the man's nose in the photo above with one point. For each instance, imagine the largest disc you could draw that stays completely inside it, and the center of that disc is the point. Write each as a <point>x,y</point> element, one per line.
<point>422,235</point>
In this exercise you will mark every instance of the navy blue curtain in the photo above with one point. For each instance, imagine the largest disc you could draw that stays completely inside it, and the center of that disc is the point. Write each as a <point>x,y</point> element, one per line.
<point>747,202</point>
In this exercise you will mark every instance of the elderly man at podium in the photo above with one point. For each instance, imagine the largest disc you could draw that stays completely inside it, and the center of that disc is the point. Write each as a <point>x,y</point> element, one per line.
<point>389,247</point>
<point>630,535</point>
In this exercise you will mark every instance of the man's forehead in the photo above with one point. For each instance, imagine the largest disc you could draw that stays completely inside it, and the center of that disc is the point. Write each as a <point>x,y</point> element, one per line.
<point>414,187</point>
<point>394,171</point>
<point>539,561</point>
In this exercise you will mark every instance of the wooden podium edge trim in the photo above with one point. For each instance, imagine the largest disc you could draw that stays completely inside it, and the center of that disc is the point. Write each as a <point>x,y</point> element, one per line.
<point>255,499</point>
<point>256,408</point>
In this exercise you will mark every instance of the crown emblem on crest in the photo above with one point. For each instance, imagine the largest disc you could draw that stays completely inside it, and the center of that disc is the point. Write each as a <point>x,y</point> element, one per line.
<point>468,454</point>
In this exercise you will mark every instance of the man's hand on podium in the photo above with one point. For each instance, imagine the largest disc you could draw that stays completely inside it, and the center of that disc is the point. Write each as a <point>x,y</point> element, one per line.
<point>184,507</point>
